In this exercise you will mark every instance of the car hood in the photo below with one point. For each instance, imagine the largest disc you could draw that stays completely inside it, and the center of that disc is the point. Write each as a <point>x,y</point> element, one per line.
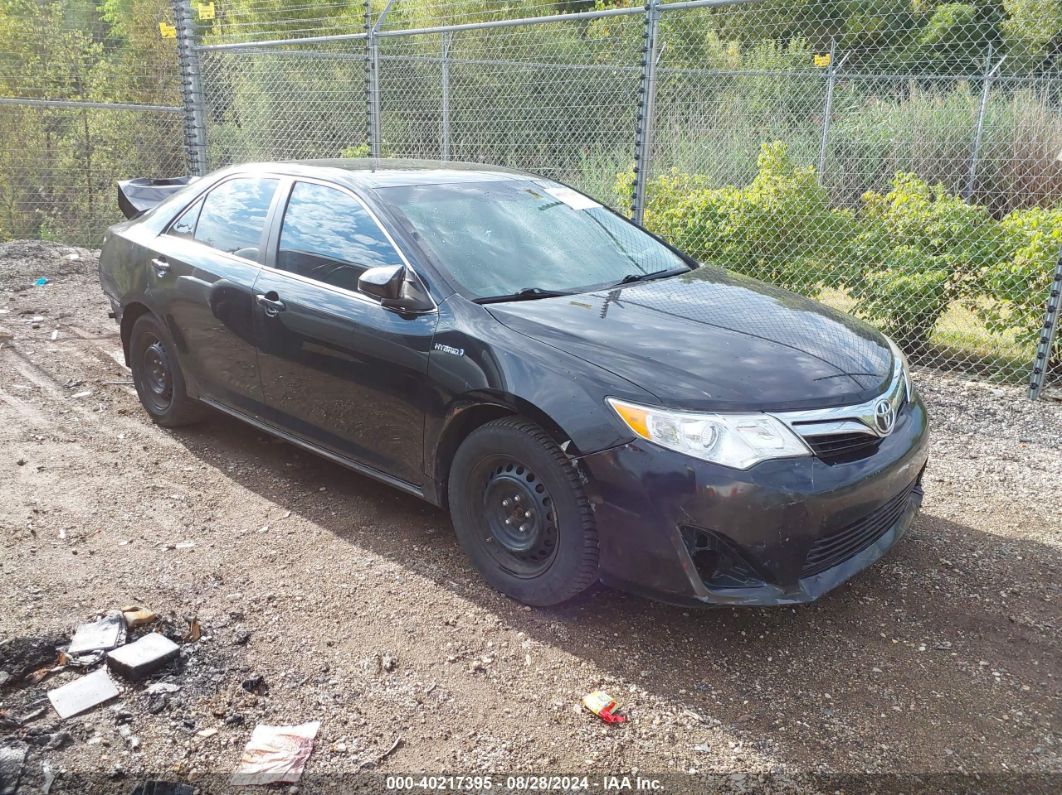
<point>711,340</point>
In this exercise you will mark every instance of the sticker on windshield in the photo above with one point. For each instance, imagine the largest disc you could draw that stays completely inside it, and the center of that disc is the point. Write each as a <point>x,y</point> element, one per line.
<point>576,201</point>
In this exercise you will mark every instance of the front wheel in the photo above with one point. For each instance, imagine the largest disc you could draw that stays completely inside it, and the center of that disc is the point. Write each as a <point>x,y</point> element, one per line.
<point>520,513</point>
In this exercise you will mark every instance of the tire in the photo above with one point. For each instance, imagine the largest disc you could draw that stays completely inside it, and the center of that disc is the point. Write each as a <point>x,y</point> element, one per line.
<point>546,553</point>
<point>157,375</point>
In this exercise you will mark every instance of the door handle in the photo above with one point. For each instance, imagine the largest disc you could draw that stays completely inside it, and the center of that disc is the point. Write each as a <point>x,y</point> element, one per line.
<point>162,267</point>
<point>271,306</point>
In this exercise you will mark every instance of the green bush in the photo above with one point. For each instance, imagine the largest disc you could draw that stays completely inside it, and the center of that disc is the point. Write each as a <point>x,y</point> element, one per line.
<point>780,228</point>
<point>1019,282</point>
<point>919,249</point>
<point>904,256</point>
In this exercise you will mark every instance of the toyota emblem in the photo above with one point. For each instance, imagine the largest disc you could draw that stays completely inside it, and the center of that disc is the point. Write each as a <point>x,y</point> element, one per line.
<point>884,417</point>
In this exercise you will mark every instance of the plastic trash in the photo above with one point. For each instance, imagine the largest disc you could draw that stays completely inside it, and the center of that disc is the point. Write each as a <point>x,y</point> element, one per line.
<point>40,282</point>
<point>275,754</point>
<point>604,706</point>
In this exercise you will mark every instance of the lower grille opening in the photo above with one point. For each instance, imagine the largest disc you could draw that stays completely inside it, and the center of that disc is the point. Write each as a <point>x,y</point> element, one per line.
<point>719,563</point>
<point>836,548</point>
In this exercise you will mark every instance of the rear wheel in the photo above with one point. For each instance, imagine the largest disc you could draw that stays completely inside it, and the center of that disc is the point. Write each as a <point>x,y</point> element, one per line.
<point>157,375</point>
<point>521,515</point>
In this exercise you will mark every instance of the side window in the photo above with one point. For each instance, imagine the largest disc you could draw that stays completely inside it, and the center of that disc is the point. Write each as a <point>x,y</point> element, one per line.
<point>234,214</point>
<point>329,237</point>
<point>185,225</point>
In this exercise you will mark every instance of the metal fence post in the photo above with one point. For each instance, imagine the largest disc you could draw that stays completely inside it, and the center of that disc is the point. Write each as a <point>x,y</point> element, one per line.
<point>982,109</point>
<point>827,112</point>
<point>1047,333</point>
<point>447,39</point>
<point>191,88</point>
<point>372,82</point>
<point>647,95</point>
<point>373,42</point>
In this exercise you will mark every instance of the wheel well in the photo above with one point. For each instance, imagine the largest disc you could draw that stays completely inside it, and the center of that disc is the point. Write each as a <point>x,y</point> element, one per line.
<point>466,422</point>
<point>130,314</point>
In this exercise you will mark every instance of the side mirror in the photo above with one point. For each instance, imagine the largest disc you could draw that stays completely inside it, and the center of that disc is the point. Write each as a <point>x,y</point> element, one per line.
<point>395,287</point>
<point>384,282</point>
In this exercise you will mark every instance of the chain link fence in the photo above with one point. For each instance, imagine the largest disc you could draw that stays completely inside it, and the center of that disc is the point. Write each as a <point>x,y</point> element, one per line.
<point>87,97</point>
<point>895,159</point>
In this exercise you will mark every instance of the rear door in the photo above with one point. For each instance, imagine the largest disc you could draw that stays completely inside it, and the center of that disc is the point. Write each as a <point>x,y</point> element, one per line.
<point>213,254</point>
<point>336,367</point>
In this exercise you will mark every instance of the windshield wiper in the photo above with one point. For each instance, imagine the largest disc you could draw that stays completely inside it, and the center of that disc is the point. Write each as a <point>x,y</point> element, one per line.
<point>526,294</point>
<point>631,278</point>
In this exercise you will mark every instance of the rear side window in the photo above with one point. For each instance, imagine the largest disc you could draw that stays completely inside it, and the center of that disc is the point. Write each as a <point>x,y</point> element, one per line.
<point>329,237</point>
<point>234,214</point>
<point>185,225</point>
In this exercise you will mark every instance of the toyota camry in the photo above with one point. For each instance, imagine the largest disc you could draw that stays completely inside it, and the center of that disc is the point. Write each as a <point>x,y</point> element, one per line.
<point>587,402</point>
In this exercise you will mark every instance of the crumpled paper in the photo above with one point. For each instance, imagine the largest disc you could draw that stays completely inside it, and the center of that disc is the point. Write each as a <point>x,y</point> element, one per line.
<point>275,754</point>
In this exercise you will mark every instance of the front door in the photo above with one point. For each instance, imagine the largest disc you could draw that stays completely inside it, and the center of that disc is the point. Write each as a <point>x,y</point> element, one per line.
<point>336,367</point>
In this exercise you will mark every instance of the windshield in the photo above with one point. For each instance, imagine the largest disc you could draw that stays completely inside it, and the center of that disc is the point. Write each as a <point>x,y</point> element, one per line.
<point>502,237</point>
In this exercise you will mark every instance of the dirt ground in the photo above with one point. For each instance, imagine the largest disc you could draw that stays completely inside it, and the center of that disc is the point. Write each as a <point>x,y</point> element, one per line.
<point>355,605</point>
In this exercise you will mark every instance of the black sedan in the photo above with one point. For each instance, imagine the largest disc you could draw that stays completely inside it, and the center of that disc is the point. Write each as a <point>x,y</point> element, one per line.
<point>587,402</point>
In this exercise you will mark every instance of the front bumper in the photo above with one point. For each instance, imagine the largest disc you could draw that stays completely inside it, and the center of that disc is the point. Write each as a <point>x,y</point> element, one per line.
<point>783,532</point>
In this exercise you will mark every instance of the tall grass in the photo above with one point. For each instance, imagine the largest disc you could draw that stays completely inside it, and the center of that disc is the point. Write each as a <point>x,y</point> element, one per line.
<point>714,128</point>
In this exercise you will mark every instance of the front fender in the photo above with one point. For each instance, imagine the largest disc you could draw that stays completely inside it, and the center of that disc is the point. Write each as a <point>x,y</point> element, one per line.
<point>477,362</point>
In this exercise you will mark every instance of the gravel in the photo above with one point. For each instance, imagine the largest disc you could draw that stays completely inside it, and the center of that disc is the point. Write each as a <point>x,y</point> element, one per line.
<point>338,599</point>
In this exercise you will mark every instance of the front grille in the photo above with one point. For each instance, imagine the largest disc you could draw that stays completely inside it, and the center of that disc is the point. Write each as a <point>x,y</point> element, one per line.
<point>838,547</point>
<point>840,448</point>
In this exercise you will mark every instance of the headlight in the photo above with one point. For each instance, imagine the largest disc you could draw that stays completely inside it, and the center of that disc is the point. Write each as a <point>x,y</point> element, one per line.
<point>734,440</point>
<point>904,367</point>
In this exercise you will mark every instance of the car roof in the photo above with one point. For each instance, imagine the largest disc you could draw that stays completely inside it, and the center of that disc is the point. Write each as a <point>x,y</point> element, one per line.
<point>387,172</point>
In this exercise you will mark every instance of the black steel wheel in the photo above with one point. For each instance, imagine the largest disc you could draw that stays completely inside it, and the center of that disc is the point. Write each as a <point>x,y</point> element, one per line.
<point>520,513</point>
<point>158,380</point>
<point>521,525</point>
<point>157,375</point>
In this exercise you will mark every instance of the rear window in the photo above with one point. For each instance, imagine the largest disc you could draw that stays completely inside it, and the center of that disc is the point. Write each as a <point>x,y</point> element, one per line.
<point>234,215</point>
<point>185,225</point>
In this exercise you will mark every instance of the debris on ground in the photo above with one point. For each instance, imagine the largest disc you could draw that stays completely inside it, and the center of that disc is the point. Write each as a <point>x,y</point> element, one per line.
<point>40,281</point>
<point>131,739</point>
<point>136,616</point>
<point>12,760</point>
<point>98,636</point>
<point>144,656</point>
<point>603,705</point>
<point>22,657</point>
<point>83,694</point>
<point>38,676</point>
<point>275,754</point>
<point>195,631</point>
<point>256,684</point>
<point>48,776</point>
<point>394,747</point>
<point>161,687</point>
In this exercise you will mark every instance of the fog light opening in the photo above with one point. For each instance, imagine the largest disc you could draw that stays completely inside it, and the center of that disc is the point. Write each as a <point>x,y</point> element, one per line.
<point>718,563</point>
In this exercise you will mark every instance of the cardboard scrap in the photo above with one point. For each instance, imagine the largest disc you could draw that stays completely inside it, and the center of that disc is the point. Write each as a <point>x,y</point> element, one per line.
<point>136,616</point>
<point>275,754</point>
